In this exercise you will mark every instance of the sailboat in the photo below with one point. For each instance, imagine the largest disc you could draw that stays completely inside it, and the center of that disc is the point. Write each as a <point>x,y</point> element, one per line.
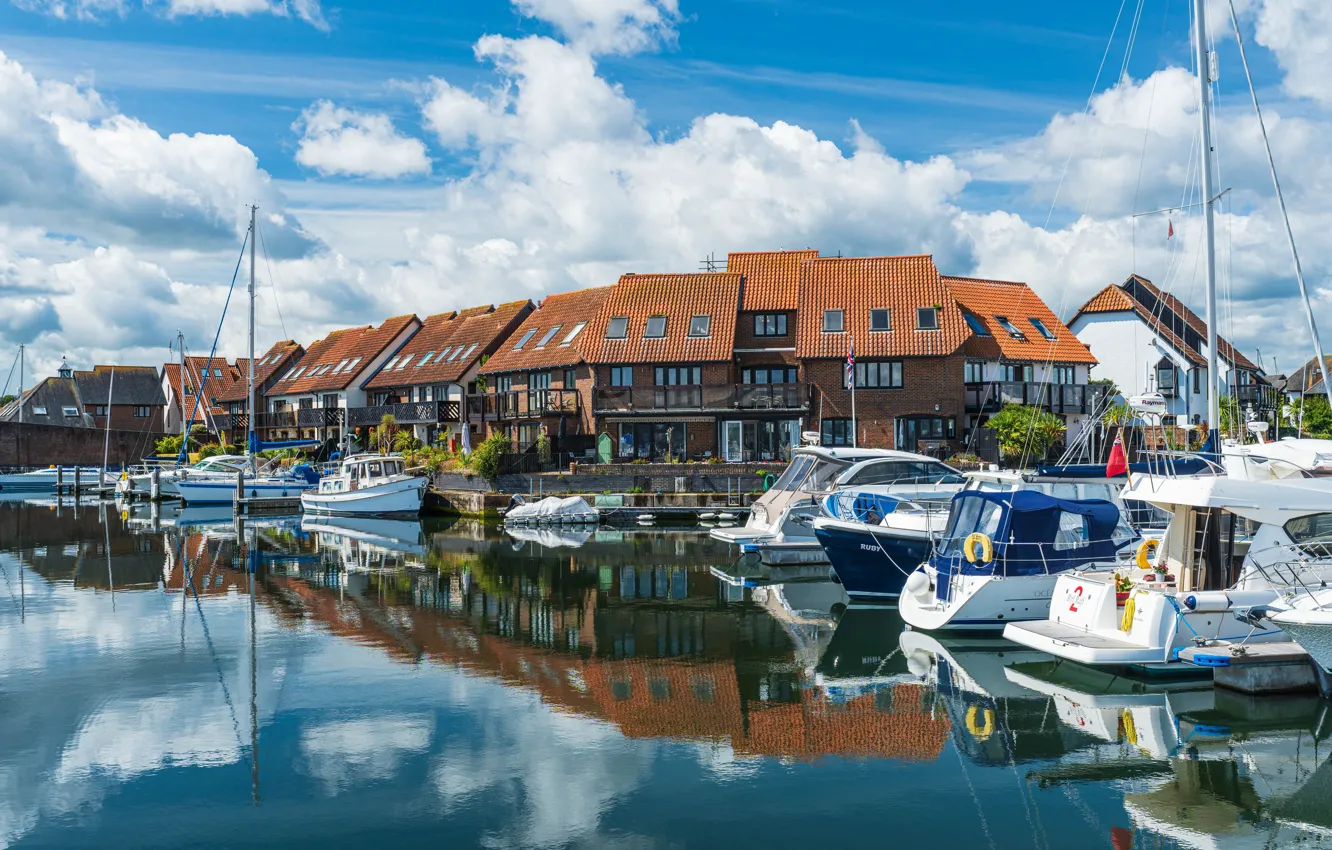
<point>272,482</point>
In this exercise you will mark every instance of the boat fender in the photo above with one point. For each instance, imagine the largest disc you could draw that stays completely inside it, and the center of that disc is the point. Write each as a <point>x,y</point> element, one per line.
<point>919,664</point>
<point>768,481</point>
<point>1147,554</point>
<point>1213,601</point>
<point>1130,606</point>
<point>969,547</point>
<point>917,584</point>
<point>978,731</point>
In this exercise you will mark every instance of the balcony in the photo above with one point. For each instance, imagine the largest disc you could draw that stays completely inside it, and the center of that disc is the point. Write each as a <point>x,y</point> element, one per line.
<point>308,417</point>
<point>523,404</point>
<point>1249,394</point>
<point>708,397</point>
<point>990,396</point>
<point>406,413</point>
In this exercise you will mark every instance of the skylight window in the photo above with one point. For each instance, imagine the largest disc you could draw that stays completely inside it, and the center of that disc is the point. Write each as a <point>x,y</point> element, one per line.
<point>458,353</point>
<point>527,336</point>
<point>342,365</point>
<point>880,321</point>
<point>70,411</point>
<point>425,360</point>
<point>927,319</point>
<point>217,373</point>
<point>834,321</point>
<point>444,355</point>
<point>40,411</point>
<point>1040,326</point>
<point>700,326</point>
<point>389,365</point>
<point>550,334</point>
<point>656,327</point>
<point>573,334</point>
<point>352,364</point>
<point>470,349</point>
<point>295,373</point>
<point>402,364</point>
<point>976,325</point>
<point>1010,327</point>
<point>617,327</point>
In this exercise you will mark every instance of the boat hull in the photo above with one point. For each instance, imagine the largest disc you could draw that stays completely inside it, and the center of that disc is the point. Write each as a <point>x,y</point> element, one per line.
<point>403,496</point>
<point>224,492</point>
<point>980,603</point>
<point>871,564</point>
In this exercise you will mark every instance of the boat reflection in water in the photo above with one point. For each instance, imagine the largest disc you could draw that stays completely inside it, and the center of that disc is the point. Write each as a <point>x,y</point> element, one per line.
<point>323,682</point>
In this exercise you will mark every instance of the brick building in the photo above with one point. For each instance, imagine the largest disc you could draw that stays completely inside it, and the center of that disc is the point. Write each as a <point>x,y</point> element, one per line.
<point>234,399</point>
<point>128,397</point>
<point>194,397</point>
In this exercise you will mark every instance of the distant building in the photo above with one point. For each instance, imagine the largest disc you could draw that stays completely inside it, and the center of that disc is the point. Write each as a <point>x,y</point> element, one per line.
<point>1306,380</point>
<point>130,398</point>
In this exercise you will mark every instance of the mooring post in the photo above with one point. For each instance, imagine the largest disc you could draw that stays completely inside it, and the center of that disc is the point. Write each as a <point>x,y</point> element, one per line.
<point>155,484</point>
<point>240,488</point>
<point>77,471</point>
<point>60,480</point>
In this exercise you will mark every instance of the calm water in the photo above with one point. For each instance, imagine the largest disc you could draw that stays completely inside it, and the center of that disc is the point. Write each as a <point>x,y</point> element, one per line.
<point>396,684</point>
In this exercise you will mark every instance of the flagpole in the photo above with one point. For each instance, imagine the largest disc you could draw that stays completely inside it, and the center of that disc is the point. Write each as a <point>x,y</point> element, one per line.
<point>851,373</point>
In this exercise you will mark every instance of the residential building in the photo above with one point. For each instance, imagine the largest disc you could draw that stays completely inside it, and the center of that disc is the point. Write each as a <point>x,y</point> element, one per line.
<point>662,349</point>
<point>311,399</point>
<point>131,401</point>
<point>425,382</point>
<point>1019,352</point>
<point>205,379</point>
<point>1148,341</point>
<point>1307,380</point>
<point>233,400</point>
<point>538,378</point>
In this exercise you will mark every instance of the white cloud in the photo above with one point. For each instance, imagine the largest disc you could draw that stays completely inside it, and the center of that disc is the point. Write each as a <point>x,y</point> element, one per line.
<point>342,752</point>
<point>361,144</point>
<point>74,10</point>
<point>309,11</point>
<point>1299,33</point>
<point>609,26</point>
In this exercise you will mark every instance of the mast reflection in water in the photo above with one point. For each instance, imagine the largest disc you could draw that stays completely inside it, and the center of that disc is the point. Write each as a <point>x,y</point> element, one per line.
<point>168,678</point>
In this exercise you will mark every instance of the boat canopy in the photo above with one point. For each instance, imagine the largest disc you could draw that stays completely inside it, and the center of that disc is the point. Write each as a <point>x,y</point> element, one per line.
<point>859,506</point>
<point>1191,465</point>
<point>1031,533</point>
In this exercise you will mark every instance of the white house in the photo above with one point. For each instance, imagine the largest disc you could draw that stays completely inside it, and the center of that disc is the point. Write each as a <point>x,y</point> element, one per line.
<point>1149,341</point>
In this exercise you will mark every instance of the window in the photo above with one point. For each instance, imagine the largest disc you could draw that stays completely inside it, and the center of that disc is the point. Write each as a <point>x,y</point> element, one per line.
<point>550,334</point>
<point>676,376</point>
<point>769,375</point>
<point>1042,329</point>
<point>39,411</point>
<point>879,376</point>
<point>217,373</point>
<point>424,360</point>
<point>656,327</point>
<point>461,349</point>
<point>352,364</point>
<point>770,324</point>
<point>927,318</point>
<point>622,376</point>
<point>330,400</point>
<point>1312,533</point>
<point>880,321</point>
<point>617,327</point>
<point>503,383</point>
<point>470,349</point>
<point>295,373</point>
<point>388,365</point>
<point>70,411</point>
<point>973,372</point>
<point>836,432</point>
<point>342,365</point>
<point>143,412</point>
<point>833,321</point>
<point>700,326</point>
<point>1010,327</point>
<point>189,390</point>
<point>1063,375</point>
<point>1015,372</point>
<point>573,334</point>
<point>1073,532</point>
<point>522,341</point>
<point>538,381</point>
<point>570,378</point>
<point>977,326</point>
<point>1165,378</point>
<point>444,355</point>
<point>99,410</point>
<point>1197,380</point>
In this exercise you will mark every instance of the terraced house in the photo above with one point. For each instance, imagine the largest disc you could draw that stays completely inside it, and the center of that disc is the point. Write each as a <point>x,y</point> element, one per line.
<point>233,399</point>
<point>193,397</point>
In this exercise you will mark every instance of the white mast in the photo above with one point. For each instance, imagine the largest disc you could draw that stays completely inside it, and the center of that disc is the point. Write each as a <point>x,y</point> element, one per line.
<point>249,437</point>
<point>184,422</point>
<point>1209,228</point>
<point>106,437</point>
<point>21,365</point>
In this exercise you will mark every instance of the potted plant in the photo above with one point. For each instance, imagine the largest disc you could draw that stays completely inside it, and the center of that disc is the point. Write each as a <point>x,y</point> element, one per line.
<point>1123,586</point>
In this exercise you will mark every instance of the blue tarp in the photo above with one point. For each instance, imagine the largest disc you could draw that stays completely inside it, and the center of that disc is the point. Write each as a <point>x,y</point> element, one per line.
<point>852,506</point>
<point>1031,532</point>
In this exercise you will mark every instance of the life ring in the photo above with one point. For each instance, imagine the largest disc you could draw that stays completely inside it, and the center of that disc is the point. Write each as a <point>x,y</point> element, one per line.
<point>980,733</point>
<point>768,481</point>
<point>969,547</point>
<point>1146,552</point>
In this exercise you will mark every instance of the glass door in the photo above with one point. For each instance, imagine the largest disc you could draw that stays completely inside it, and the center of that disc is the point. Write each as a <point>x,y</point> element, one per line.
<point>732,438</point>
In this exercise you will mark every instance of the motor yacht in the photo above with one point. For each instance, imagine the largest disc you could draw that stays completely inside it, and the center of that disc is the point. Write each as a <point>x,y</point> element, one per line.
<point>367,485</point>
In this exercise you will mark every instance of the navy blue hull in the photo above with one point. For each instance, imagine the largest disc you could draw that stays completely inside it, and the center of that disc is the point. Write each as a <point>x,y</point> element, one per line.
<point>872,565</point>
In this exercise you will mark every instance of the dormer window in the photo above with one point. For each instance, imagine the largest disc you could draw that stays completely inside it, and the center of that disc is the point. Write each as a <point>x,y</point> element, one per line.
<point>656,327</point>
<point>834,321</point>
<point>881,321</point>
<point>1042,329</point>
<point>700,326</point>
<point>617,327</point>
<point>927,318</point>
<point>549,335</point>
<point>1010,327</point>
<point>521,342</point>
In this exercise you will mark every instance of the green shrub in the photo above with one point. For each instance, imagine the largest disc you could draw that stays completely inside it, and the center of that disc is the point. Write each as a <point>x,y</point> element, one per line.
<point>1025,433</point>
<point>485,461</point>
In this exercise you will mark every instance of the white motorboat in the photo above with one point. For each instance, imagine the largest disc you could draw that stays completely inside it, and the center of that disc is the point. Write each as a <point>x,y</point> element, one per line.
<point>874,541</point>
<point>552,510</point>
<point>780,527</point>
<point>222,467</point>
<point>45,479</point>
<point>368,485</point>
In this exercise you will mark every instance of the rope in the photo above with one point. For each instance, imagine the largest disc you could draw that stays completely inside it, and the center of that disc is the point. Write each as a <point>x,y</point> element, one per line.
<point>271,284</point>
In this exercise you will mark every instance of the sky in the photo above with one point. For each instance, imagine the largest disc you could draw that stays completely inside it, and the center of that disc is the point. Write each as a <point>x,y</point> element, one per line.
<point>416,157</point>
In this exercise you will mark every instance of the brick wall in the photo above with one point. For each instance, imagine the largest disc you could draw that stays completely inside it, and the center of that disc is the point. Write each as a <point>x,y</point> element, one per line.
<point>123,419</point>
<point>645,374</point>
<point>926,382</point>
<point>46,445</point>
<point>745,338</point>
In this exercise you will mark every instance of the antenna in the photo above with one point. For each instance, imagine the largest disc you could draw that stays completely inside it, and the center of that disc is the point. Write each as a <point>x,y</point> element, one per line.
<point>711,264</point>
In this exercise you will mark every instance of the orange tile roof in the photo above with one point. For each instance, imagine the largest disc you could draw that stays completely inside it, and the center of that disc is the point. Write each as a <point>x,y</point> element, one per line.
<point>1116,298</point>
<point>678,297</point>
<point>279,356</point>
<point>1016,302</point>
<point>772,278</point>
<point>476,332</point>
<point>366,342</point>
<point>857,285</point>
<point>222,377</point>
<point>561,312</point>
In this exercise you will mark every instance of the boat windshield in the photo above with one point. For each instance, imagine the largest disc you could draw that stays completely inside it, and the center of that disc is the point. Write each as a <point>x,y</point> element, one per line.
<point>822,476</point>
<point>1313,534</point>
<point>795,473</point>
<point>970,516</point>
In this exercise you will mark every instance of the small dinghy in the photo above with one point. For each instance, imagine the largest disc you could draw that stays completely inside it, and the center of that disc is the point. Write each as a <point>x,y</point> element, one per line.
<point>552,510</point>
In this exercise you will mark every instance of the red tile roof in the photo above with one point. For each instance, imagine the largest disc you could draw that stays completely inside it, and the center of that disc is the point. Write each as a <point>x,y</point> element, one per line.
<point>1114,299</point>
<point>560,313</point>
<point>857,285</point>
<point>986,300</point>
<point>772,278</point>
<point>474,332</point>
<point>220,380</point>
<point>279,357</point>
<point>337,352</point>
<point>678,297</point>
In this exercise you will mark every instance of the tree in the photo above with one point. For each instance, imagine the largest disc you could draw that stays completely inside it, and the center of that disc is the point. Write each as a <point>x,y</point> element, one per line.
<point>381,436</point>
<point>1025,433</point>
<point>486,458</point>
<point>1310,415</point>
<point>6,399</point>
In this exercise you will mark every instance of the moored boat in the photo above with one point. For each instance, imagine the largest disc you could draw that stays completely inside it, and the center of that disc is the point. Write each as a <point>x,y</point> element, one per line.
<point>367,484</point>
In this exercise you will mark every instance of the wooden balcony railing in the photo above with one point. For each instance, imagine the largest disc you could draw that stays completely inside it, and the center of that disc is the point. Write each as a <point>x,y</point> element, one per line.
<point>521,404</point>
<point>309,417</point>
<point>406,413</point>
<point>705,397</point>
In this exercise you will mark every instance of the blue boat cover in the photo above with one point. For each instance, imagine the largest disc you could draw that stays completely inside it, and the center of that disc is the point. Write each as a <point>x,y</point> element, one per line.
<point>1031,532</point>
<point>1192,465</point>
<point>852,506</point>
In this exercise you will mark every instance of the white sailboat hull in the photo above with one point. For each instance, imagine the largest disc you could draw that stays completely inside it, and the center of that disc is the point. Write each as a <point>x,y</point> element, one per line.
<point>979,603</point>
<point>199,492</point>
<point>398,495</point>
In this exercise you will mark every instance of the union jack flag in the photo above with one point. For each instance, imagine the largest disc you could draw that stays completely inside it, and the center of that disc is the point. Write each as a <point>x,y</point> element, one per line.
<point>851,366</point>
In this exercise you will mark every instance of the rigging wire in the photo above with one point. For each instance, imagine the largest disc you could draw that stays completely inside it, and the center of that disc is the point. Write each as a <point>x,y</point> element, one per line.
<point>12,367</point>
<point>271,280</point>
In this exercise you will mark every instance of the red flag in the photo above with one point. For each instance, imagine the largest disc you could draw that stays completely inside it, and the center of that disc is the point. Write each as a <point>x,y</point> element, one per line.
<point>1170,229</point>
<point>1118,463</point>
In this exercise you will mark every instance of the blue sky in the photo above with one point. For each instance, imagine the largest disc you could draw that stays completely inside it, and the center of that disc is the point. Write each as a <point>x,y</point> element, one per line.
<point>413,154</point>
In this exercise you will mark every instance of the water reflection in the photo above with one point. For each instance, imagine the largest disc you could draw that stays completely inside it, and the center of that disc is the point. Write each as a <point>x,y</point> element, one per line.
<point>171,679</point>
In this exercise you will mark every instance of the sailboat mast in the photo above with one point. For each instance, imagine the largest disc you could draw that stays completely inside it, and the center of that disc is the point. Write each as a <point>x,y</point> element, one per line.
<point>251,443</point>
<point>184,422</point>
<point>1209,227</point>
<point>21,365</point>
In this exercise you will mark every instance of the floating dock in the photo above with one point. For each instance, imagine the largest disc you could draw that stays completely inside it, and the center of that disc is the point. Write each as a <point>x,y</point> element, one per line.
<point>264,506</point>
<point>1259,668</point>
